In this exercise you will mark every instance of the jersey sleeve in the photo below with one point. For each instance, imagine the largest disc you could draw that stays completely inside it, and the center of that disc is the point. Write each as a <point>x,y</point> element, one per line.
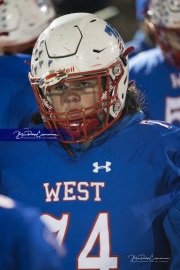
<point>172,229</point>
<point>25,241</point>
<point>37,247</point>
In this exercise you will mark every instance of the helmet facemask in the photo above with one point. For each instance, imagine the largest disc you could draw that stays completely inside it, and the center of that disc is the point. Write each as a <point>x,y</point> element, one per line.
<point>81,124</point>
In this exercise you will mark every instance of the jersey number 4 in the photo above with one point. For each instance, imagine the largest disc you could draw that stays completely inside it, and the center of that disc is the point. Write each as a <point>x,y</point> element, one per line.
<point>100,233</point>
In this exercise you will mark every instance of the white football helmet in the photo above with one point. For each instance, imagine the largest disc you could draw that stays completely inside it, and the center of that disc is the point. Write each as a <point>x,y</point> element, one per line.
<point>76,47</point>
<point>164,22</point>
<point>22,21</point>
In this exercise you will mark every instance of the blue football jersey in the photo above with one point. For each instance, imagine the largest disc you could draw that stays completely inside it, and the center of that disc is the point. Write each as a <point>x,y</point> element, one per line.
<point>17,103</point>
<point>161,84</point>
<point>25,242</point>
<point>107,203</point>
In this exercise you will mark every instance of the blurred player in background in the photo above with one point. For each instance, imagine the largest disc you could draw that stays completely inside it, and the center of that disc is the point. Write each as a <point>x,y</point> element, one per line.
<point>25,242</point>
<point>157,71</point>
<point>21,22</point>
<point>143,39</point>
<point>106,181</point>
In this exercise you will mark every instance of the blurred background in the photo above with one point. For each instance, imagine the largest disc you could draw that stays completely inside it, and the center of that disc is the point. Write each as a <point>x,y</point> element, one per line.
<point>119,13</point>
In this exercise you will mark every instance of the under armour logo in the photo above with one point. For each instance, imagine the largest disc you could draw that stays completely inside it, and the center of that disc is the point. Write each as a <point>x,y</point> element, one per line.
<point>106,167</point>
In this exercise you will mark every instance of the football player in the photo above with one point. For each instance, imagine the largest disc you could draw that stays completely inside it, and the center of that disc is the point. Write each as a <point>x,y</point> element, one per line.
<point>107,180</point>
<point>143,39</point>
<point>21,22</point>
<point>157,71</point>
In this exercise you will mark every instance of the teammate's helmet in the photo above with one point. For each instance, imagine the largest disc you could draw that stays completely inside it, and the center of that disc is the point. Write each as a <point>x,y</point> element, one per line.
<point>22,21</point>
<point>164,21</point>
<point>76,47</point>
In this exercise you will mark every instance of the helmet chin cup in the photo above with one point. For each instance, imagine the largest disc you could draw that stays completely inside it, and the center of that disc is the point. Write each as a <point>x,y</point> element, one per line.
<point>78,130</point>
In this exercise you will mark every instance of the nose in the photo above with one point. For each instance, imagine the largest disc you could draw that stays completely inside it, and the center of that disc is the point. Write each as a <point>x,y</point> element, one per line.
<point>72,97</point>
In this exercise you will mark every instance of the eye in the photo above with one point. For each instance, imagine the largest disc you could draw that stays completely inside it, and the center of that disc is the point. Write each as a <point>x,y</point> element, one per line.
<point>60,87</point>
<point>84,84</point>
<point>58,90</point>
<point>87,84</point>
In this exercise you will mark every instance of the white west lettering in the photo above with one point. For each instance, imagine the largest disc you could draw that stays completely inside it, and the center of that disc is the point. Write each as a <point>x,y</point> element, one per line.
<point>72,190</point>
<point>97,186</point>
<point>81,190</point>
<point>52,192</point>
<point>68,191</point>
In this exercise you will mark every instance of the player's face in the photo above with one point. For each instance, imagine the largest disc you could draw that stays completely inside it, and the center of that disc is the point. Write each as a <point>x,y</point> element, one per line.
<point>72,96</point>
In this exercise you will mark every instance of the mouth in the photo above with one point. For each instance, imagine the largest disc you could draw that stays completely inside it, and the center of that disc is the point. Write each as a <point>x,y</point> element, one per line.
<point>74,113</point>
<point>75,125</point>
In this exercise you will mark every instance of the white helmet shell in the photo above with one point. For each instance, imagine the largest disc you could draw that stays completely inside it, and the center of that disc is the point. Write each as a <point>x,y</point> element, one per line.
<point>78,42</point>
<point>22,21</point>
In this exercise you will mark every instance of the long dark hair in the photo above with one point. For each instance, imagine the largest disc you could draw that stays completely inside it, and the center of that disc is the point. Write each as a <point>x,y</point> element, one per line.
<point>135,100</point>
